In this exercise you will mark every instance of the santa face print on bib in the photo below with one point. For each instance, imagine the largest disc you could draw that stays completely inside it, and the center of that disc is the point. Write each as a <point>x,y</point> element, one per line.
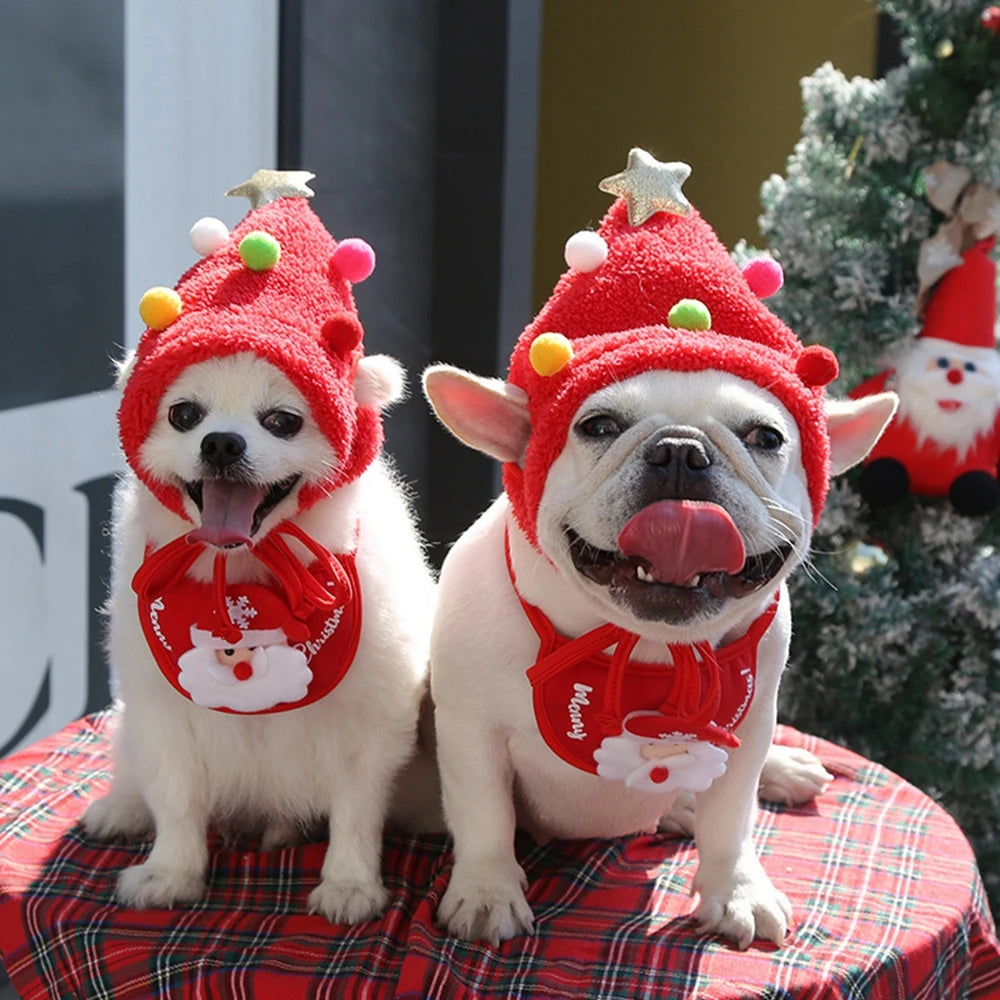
<point>661,761</point>
<point>254,672</point>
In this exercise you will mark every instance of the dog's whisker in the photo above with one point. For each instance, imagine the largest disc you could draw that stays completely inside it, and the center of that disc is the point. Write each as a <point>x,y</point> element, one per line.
<point>786,534</point>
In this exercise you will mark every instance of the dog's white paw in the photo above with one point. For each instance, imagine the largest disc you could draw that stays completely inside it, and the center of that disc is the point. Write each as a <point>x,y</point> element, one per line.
<point>741,905</point>
<point>486,906</point>
<point>680,819</point>
<point>118,816</point>
<point>792,776</point>
<point>149,886</point>
<point>348,902</point>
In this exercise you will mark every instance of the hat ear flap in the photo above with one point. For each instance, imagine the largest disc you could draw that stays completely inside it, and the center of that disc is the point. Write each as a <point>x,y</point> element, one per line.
<point>342,332</point>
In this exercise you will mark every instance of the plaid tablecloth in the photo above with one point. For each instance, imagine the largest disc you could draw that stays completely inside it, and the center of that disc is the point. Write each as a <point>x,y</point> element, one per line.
<point>887,899</point>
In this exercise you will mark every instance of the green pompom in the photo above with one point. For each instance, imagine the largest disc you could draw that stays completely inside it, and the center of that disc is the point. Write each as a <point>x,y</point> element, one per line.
<point>690,314</point>
<point>260,251</point>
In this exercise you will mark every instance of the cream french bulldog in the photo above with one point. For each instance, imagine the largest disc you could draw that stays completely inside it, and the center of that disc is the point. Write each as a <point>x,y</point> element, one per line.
<point>611,632</point>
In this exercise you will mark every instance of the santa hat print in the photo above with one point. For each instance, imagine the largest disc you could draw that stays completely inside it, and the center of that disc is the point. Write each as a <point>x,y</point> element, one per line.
<point>261,617</point>
<point>654,288</point>
<point>278,286</point>
<point>962,308</point>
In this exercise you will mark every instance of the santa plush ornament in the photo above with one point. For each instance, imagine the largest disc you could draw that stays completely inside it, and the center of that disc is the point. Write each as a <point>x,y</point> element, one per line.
<point>945,438</point>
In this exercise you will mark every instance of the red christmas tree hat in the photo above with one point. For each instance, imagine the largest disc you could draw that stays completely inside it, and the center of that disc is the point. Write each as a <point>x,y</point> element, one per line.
<point>655,289</point>
<point>278,286</point>
<point>963,307</point>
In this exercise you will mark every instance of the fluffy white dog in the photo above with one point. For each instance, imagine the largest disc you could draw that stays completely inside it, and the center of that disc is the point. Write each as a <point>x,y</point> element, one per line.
<point>270,604</point>
<point>611,632</point>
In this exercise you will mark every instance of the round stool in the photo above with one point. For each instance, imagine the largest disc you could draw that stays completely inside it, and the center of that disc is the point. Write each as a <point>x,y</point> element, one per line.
<point>887,898</point>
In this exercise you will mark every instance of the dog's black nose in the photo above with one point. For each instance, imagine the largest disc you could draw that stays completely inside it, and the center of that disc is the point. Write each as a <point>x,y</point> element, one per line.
<point>679,453</point>
<point>221,449</point>
<point>678,467</point>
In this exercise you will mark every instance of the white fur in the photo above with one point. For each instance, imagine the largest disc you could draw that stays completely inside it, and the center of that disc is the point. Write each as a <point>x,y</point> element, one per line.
<point>496,771</point>
<point>179,767</point>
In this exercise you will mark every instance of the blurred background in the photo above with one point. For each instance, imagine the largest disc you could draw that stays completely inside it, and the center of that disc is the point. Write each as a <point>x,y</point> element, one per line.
<point>464,141</point>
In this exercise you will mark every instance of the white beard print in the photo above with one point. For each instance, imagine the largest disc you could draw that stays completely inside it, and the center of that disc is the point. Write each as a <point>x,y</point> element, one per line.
<point>279,675</point>
<point>923,385</point>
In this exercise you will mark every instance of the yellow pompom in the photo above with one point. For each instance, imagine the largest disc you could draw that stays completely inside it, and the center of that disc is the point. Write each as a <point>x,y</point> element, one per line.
<point>550,353</point>
<point>159,307</point>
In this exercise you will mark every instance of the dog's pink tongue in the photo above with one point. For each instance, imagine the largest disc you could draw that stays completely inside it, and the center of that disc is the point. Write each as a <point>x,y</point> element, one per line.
<point>684,538</point>
<point>227,510</point>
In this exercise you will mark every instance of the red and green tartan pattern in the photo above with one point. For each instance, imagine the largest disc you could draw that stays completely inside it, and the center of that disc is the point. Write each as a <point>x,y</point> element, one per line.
<point>887,900</point>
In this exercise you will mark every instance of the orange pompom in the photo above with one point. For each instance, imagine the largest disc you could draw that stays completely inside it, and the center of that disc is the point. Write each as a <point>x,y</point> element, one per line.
<point>550,353</point>
<point>159,307</point>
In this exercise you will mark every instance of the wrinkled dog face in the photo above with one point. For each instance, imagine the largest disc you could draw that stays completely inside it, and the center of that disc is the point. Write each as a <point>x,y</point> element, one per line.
<point>237,438</point>
<point>707,438</point>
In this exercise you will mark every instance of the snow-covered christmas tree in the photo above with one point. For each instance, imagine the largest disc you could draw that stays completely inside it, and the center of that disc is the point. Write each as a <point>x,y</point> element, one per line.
<point>890,191</point>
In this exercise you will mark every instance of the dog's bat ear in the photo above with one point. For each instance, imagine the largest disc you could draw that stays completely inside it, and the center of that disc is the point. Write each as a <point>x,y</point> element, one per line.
<point>379,381</point>
<point>855,425</point>
<point>485,413</point>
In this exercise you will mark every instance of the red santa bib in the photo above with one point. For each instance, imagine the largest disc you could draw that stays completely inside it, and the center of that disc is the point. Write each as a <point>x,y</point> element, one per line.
<point>251,648</point>
<point>655,726</point>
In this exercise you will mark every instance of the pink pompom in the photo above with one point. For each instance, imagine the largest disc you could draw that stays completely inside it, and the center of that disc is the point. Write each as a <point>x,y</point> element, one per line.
<point>764,276</point>
<point>354,259</point>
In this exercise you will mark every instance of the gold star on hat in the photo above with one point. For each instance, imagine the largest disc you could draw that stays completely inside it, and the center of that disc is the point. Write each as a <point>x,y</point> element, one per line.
<point>649,186</point>
<point>269,185</point>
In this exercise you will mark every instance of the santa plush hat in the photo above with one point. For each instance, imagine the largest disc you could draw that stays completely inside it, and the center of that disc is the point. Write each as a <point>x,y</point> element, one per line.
<point>963,308</point>
<point>655,289</point>
<point>278,286</point>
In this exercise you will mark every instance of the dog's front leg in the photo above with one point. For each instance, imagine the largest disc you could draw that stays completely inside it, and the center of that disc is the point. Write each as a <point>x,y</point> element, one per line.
<point>351,889</point>
<point>737,899</point>
<point>485,897</point>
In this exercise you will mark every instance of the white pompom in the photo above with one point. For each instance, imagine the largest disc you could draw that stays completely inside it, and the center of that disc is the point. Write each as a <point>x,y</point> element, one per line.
<point>586,251</point>
<point>379,381</point>
<point>208,234</point>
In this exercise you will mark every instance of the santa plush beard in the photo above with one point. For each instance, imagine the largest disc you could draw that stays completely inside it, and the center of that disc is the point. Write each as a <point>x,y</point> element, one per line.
<point>948,393</point>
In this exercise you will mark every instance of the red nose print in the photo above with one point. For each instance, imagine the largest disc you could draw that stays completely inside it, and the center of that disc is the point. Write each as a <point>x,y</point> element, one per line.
<point>954,376</point>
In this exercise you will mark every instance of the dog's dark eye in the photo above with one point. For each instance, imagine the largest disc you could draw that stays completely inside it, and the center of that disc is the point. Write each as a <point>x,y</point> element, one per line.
<point>281,423</point>
<point>599,426</point>
<point>184,416</point>
<point>765,438</point>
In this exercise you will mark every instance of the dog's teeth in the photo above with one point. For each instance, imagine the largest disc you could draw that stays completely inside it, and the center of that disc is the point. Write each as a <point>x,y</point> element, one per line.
<point>643,574</point>
<point>694,581</point>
